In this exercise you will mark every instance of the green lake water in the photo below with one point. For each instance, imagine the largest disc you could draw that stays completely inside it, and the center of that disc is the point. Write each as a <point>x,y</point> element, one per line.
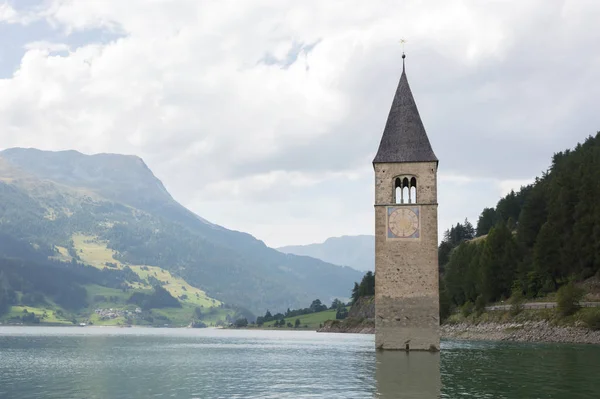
<point>85,363</point>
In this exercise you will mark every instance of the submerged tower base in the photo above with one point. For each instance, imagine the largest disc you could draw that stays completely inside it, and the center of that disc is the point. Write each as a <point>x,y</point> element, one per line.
<point>406,324</point>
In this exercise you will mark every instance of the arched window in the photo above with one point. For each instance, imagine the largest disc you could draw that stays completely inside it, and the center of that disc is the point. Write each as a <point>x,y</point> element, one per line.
<point>398,191</point>
<point>405,190</point>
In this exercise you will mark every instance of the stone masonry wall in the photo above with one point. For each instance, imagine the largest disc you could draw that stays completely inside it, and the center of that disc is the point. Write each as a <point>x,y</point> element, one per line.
<point>407,285</point>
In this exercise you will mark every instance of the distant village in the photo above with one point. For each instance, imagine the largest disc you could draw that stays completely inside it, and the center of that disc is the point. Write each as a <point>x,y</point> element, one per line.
<point>106,314</point>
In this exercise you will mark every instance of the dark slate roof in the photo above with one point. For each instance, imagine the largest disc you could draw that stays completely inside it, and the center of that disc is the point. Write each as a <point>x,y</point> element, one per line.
<point>404,138</point>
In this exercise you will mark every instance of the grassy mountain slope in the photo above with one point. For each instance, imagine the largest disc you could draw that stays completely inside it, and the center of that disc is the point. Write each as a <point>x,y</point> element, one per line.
<point>51,198</point>
<point>34,289</point>
<point>94,252</point>
<point>354,251</point>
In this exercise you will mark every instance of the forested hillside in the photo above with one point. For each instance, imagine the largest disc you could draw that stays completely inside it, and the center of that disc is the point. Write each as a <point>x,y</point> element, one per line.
<point>534,240</point>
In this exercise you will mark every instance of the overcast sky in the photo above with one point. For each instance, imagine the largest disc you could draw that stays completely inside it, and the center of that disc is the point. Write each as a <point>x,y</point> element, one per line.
<point>264,116</point>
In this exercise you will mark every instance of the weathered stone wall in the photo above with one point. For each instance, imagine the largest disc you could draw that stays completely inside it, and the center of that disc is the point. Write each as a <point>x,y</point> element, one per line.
<point>406,279</point>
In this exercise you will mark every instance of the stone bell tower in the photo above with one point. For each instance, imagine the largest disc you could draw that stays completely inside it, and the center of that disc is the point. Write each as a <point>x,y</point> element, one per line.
<point>406,231</point>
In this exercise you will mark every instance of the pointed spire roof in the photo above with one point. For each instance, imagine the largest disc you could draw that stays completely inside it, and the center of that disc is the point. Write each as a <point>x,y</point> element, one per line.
<point>404,138</point>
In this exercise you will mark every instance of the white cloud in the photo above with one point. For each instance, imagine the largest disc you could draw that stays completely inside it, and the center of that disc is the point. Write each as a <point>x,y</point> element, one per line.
<point>8,14</point>
<point>283,151</point>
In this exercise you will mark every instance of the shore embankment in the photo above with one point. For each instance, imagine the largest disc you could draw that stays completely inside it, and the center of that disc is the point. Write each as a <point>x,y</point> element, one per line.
<point>360,319</point>
<point>350,326</point>
<point>537,324</point>
<point>528,331</point>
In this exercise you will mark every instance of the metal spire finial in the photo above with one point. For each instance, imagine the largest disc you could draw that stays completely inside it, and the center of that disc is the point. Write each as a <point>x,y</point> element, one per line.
<point>402,41</point>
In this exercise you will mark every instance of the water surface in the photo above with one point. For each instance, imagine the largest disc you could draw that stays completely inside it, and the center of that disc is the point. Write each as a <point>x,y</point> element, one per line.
<point>54,362</point>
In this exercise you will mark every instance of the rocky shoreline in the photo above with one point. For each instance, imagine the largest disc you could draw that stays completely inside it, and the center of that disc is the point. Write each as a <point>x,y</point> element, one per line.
<point>361,320</point>
<point>529,331</point>
<point>348,326</point>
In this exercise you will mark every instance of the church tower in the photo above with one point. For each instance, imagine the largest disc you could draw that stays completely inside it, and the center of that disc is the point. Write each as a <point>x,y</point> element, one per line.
<point>406,231</point>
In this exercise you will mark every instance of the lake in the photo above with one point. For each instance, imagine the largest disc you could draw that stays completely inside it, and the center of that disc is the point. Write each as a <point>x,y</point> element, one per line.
<point>72,362</point>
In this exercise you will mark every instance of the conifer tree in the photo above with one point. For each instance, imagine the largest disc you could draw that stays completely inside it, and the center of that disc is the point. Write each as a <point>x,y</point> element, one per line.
<point>498,263</point>
<point>533,215</point>
<point>546,257</point>
<point>486,221</point>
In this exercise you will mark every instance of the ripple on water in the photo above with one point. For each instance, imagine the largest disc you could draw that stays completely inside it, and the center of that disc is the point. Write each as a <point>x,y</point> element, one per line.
<point>184,363</point>
<point>517,370</point>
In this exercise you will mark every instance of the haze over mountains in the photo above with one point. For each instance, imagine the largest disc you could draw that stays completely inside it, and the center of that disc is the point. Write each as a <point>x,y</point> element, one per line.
<point>48,197</point>
<point>357,252</point>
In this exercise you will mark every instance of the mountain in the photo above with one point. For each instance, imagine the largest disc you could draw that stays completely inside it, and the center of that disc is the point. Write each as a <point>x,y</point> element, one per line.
<point>84,207</point>
<point>357,252</point>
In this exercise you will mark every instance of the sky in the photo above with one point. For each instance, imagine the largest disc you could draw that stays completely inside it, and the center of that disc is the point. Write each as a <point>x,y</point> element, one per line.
<point>264,116</point>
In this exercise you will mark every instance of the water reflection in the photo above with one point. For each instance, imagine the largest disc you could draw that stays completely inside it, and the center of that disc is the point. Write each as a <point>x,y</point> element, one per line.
<point>414,375</point>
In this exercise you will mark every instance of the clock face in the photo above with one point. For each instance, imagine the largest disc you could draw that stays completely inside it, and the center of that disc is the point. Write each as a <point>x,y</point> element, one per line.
<point>403,222</point>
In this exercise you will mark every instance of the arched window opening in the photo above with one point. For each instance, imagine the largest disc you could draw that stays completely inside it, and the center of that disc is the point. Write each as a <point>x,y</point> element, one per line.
<point>406,190</point>
<point>413,190</point>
